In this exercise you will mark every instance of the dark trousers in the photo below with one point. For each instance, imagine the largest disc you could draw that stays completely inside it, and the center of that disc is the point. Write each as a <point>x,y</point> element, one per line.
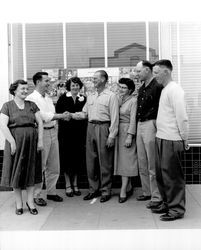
<point>169,174</point>
<point>99,158</point>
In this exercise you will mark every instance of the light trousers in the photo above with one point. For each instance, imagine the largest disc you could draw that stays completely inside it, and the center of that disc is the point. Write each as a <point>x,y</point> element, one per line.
<point>146,133</point>
<point>50,162</point>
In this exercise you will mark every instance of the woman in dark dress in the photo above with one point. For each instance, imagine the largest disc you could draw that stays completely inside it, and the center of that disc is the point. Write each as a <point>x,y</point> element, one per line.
<point>21,164</point>
<point>72,135</point>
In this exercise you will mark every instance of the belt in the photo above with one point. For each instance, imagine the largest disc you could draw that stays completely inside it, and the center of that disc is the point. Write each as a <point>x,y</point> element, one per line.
<point>49,127</point>
<point>99,122</point>
<point>145,120</point>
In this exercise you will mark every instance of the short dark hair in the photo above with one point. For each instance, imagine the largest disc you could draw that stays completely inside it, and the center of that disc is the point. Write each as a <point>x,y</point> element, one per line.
<point>146,63</point>
<point>128,82</point>
<point>74,79</point>
<point>15,85</point>
<point>164,62</point>
<point>104,74</point>
<point>39,76</point>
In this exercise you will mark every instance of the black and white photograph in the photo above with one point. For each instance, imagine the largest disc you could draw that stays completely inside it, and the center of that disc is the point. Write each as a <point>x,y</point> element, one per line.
<point>100,125</point>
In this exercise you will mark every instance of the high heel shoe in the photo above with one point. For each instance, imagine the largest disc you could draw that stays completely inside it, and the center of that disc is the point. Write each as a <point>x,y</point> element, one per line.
<point>122,199</point>
<point>33,211</point>
<point>129,193</point>
<point>77,191</point>
<point>69,193</point>
<point>19,211</point>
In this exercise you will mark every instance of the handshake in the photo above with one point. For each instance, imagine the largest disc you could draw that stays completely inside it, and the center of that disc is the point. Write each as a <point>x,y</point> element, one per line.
<point>66,116</point>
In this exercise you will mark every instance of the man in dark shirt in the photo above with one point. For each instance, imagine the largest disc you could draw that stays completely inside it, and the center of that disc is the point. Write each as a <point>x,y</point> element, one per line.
<point>147,108</point>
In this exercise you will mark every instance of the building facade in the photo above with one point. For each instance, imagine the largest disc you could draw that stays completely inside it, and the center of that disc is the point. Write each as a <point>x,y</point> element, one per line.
<point>31,47</point>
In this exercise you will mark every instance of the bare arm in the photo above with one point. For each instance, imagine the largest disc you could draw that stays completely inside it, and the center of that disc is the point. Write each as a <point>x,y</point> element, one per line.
<point>40,130</point>
<point>6,132</point>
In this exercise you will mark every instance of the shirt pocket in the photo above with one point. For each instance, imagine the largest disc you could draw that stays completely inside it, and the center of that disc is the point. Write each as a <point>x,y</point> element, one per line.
<point>103,105</point>
<point>90,102</point>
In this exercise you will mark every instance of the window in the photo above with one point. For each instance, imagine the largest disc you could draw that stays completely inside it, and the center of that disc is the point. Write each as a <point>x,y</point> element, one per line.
<point>85,45</point>
<point>185,51</point>
<point>126,43</point>
<point>153,42</point>
<point>44,47</point>
<point>17,51</point>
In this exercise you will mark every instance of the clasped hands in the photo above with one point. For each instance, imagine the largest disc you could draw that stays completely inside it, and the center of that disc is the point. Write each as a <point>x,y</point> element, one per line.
<point>66,116</point>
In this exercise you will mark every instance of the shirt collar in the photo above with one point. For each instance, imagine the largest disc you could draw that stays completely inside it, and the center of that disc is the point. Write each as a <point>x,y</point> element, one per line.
<point>69,94</point>
<point>105,91</point>
<point>39,94</point>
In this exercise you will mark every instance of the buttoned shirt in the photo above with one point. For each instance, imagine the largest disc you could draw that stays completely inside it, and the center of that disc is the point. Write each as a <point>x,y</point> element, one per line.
<point>46,106</point>
<point>172,119</point>
<point>148,101</point>
<point>103,107</point>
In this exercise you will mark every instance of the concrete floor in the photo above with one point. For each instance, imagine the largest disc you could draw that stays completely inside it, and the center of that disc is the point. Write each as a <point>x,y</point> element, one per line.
<point>75,217</point>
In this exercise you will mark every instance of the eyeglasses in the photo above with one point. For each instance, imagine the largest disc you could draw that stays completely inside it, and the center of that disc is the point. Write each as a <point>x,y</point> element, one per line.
<point>123,87</point>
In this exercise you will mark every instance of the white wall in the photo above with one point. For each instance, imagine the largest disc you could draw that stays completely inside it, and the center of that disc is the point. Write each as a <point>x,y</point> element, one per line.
<point>3,71</point>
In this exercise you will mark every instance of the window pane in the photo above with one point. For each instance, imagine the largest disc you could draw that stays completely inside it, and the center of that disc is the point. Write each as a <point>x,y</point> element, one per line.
<point>153,42</point>
<point>85,45</point>
<point>17,52</point>
<point>190,74</point>
<point>190,51</point>
<point>44,45</point>
<point>126,43</point>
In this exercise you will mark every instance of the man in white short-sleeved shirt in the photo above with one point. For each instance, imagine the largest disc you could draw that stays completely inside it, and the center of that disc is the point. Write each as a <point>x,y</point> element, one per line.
<point>50,154</point>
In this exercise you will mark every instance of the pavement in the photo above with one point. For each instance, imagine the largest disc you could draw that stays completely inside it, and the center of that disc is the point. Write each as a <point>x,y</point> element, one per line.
<point>75,221</point>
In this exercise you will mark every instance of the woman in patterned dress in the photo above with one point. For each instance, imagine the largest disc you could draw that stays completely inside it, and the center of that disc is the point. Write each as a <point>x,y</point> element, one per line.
<point>21,163</point>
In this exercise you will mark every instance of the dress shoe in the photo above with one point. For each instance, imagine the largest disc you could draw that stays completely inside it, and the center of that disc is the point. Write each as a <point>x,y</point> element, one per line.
<point>19,211</point>
<point>90,196</point>
<point>143,197</point>
<point>129,193</point>
<point>54,197</point>
<point>40,202</point>
<point>76,191</point>
<point>69,191</point>
<point>122,199</point>
<point>170,217</point>
<point>105,197</point>
<point>69,194</point>
<point>160,209</point>
<point>153,204</point>
<point>33,211</point>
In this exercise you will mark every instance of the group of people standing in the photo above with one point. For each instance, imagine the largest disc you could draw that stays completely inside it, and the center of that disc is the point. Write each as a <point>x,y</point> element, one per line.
<point>114,134</point>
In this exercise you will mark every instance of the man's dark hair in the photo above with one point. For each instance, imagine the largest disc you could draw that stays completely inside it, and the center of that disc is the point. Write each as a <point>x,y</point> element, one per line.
<point>15,85</point>
<point>128,82</point>
<point>104,74</point>
<point>164,62</point>
<point>146,63</point>
<point>74,79</point>
<point>39,76</point>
